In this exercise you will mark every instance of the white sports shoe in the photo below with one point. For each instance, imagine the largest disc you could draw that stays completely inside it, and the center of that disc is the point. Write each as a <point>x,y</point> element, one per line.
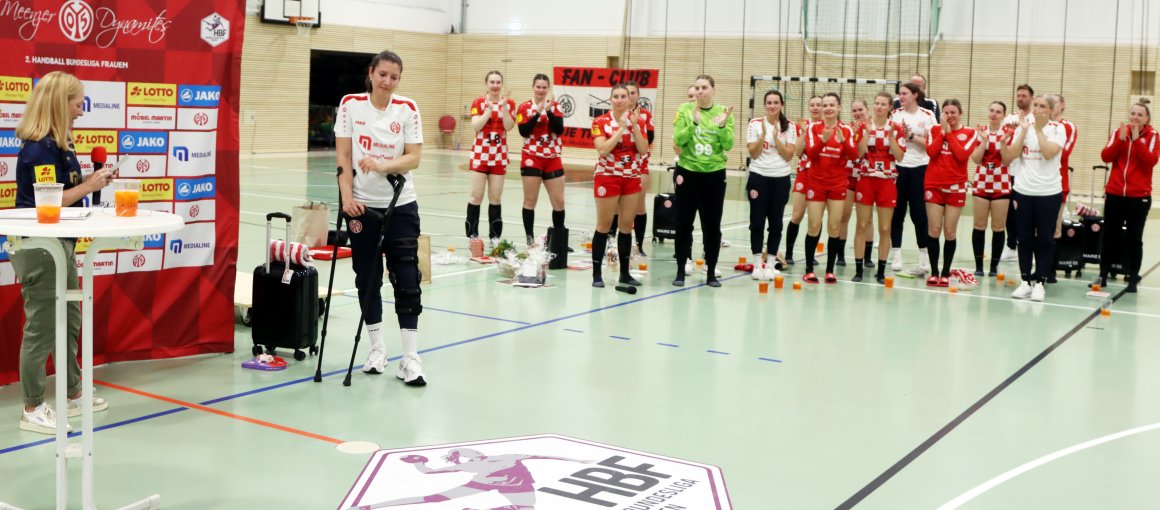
<point>1022,292</point>
<point>896,260</point>
<point>924,260</point>
<point>74,406</point>
<point>411,370</point>
<point>1038,292</point>
<point>688,268</point>
<point>1009,255</point>
<point>725,243</point>
<point>376,360</point>
<point>41,420</point>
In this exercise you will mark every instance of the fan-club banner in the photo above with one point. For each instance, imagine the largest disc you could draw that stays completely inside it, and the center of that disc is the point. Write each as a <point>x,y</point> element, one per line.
<point>584,93</point>
<point>161,91</point>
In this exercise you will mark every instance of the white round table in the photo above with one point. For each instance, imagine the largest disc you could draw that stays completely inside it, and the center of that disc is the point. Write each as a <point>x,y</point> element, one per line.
<point>109,232</point>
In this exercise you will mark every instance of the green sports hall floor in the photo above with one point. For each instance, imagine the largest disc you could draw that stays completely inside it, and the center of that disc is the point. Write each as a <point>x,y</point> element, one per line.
<point>829,396</point>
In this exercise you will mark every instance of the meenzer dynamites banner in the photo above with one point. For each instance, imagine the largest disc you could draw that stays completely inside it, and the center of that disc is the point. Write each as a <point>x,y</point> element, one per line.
<point>161,91</point>
<point>583,94</point>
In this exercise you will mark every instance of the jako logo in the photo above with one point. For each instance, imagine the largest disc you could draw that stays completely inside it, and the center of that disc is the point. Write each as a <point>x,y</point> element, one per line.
<point>364,142</point>
<point>181,153</point>
<point>128,142</point>
<point>175,246</point>
<point>76,20</point>
<point>88,105</point>
<point>183,189</point>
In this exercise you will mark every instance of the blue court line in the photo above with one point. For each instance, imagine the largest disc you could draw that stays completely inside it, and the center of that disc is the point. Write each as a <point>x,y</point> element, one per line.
<point>341,371</point>
<point>667,345</point>
<point>717,352</point>
<point>619,337</point>
<point>770,359</point>
<point>573,330</point>
<point>95,429</point>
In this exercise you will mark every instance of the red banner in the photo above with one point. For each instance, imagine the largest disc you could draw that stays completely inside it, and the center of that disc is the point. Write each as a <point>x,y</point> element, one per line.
<point>584,94</point>
<point>161,91</point>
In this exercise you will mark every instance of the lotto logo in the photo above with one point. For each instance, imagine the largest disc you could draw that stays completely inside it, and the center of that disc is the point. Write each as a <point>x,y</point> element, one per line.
<point>396,127</point>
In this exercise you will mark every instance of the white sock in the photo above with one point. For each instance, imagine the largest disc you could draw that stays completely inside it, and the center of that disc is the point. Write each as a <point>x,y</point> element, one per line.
<point>375,333</point>
<point>410,341</point>
<point>756,259</point>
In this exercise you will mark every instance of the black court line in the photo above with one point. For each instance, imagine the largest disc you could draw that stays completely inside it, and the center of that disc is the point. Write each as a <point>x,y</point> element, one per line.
<point>949,427</point>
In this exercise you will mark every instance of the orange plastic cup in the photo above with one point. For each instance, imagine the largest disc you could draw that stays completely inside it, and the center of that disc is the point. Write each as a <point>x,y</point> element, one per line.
<point>126,202</point>
<point>700,262</point>
<point>48,214</point>
<point>644,266</point>
<point>821,246</point>
<point>953,290</point>
<point>740,260</point>
<point>1001,276</point>
<point>763,287</point>
<point>778,282</point>
<point>1095,287</point>
<point>1105,311</point>
<point>890,282</point>
<point>797,285</point>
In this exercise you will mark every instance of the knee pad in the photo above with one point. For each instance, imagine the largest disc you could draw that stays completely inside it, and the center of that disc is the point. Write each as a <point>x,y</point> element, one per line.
<point>403,258</point>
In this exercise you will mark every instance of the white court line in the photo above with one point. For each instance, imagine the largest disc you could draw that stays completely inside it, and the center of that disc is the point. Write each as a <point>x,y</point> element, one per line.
<point>994,482</point>
<point>1009,300</point>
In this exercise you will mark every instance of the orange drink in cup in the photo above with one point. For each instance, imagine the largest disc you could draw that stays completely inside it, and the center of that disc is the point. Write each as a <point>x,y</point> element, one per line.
<point>889,282</point>
<point>763,287</point>
<point>778,282</point>
<point>48,198</point>
<point>126,193</point>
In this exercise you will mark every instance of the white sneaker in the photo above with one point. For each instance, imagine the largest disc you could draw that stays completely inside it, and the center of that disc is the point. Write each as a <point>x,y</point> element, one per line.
<point>725,243</point>
<point>1022,292</point>
<point>1009,255</point>
<point>688,268</point>
<point>896,260</point>
<point>411,370</point>
<point>1038,292</point>
<point>74,406</point>
<point>41,420</point>
<point>716,272</point>
<point>924,260</point>
<point>376,360</point>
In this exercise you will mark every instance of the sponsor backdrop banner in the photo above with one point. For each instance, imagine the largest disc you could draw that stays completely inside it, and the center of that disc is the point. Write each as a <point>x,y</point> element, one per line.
<point>584,92</point>
<point>161,91</point>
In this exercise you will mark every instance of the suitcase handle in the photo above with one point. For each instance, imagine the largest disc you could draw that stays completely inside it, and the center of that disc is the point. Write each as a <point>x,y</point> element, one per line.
<point>269,225</point>
<point>1092,198</point>
<point>282,215</point>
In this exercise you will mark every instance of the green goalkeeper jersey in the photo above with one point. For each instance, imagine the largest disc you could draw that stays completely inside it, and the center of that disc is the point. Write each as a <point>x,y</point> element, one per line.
<point>703,145</point>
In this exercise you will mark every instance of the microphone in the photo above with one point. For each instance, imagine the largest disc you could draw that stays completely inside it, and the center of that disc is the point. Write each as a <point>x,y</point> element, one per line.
<point>99,156</point>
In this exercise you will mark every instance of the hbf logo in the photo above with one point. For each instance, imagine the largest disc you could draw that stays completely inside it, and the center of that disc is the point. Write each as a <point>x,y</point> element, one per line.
<point>181,153</point>
<point>144,142</point>
<point>199,95</point>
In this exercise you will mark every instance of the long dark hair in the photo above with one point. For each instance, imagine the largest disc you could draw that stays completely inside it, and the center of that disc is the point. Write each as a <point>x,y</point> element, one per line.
<point>783,123</point>
<point>388,56</point>
<point>914,89</point>
<point>539,77</point>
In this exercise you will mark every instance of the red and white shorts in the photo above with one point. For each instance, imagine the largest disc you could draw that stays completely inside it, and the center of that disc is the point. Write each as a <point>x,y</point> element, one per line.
<point>876,191</point>
<point>801,182</point>
<point>816,194</point>
<point>546,168</point>
<point>496,169</point>
<point>608,186</point>
<point>946,197</point>
<point>852,183</point>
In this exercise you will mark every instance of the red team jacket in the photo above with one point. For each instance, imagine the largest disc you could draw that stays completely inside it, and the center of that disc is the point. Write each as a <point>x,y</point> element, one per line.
<point>828,160</point>
<point>1132,163</point>
<point>949,156</point>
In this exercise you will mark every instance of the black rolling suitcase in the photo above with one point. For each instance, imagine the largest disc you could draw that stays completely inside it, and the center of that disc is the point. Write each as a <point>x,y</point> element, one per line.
<point>285,309</point>
<point>1071,248</point>
<point>664,216</point>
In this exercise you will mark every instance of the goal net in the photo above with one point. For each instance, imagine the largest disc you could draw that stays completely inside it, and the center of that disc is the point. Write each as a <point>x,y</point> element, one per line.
<point>797,91</point>
<point>871,28</point>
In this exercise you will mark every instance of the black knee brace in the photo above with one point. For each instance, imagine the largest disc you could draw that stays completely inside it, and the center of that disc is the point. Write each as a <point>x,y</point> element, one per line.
<point>403,261</point>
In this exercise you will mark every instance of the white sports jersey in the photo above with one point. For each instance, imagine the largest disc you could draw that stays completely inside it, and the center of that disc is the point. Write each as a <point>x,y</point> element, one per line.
<point>1013,121</point>
<point>1040,177</point>
<point>380,134</point>
<point>769,163</point>
<point>916,124</point>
